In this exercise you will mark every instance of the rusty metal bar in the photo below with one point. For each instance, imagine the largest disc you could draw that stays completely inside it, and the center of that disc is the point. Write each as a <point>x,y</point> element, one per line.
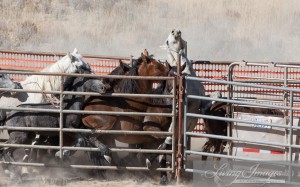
<point>174,123</point>
<point>180,115</point>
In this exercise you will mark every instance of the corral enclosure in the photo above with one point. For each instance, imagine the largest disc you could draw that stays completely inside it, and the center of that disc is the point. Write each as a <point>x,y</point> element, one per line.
<point>215,30</point>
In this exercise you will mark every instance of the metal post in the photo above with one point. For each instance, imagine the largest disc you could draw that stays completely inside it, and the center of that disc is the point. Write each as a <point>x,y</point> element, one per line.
<point>174,126</point>
<point>61,117</point>
<point>291,135</point>
<point>180,94</point>
<point>285,101</point>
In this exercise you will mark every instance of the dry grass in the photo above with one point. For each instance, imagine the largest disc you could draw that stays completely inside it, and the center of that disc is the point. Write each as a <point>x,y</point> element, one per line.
<point>253,30</point>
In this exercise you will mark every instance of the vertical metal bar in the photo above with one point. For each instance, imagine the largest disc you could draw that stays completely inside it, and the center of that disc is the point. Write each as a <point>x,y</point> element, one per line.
<point>180,93</point>
<point>291,134</point>
<point>285,101</point>
<point>185,105</point>
<point>61,117</point>
<point>229,110</point>
<point>174,125</point>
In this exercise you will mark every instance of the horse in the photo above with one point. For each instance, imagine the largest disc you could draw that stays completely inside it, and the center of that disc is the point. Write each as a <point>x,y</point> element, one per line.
<point>42,119</point>
<point>111,83</point>
<point>144,66</point>
<point>71,63</point>
<point>219,127</point>
<point>176,45</point>
<point>6,82</point>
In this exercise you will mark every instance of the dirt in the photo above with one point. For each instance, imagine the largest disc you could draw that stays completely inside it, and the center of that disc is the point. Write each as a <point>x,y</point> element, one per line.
<point>49,180</point>
<point>70,177</point>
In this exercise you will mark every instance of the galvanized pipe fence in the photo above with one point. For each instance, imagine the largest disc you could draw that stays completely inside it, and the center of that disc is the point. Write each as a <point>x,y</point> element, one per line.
<point>213,73</point>
<point>62,111</point>
<point>236,99</point>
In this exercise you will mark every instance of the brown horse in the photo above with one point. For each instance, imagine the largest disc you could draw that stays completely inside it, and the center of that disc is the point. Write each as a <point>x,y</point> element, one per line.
<point>218,127</point>
<point>149,123</point>
<point>144,66</point>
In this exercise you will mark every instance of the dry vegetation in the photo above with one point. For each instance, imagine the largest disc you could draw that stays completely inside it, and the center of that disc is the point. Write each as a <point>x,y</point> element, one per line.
<point>215,29</point>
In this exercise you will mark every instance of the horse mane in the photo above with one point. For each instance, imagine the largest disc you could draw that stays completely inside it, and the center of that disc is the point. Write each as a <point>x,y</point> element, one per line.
<point>129,85</point>
<point>120,70</point>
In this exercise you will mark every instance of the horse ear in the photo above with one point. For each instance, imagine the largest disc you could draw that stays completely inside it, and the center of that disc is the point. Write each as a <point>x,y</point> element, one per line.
<point>143,57</point>
<point>69,55</point>
<point>75,51</point>
<point>146,53</point>
<point>121,64</point>
<point>72,58</point>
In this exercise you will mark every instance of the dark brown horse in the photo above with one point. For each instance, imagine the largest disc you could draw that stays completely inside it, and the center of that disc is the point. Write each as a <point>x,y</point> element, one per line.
<point>144,66</point>
<point>218,127</point>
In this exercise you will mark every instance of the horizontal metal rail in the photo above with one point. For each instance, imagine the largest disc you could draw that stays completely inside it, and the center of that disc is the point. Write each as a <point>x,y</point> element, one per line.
<point>88,75</point>
<point>88,112</point>
<point>87,93</point>
<point>87,148</point>
<point>243,103</point>
<point>92,131</point>
<point>86,166</point>
<point>242,84</point>
<point>62,54</point>
<point>236,139</point>
<point>235,120</point>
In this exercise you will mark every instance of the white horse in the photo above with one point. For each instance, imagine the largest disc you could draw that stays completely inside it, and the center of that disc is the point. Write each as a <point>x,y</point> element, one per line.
<point>71,63</point>
<point>175,45</point>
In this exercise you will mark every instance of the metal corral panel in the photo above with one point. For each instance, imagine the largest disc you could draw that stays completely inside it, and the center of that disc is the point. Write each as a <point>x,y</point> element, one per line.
<point>262,133</point>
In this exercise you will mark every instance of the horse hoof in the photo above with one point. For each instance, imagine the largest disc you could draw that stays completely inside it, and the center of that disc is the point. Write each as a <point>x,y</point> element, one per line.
<point>148,163</point>
<point>7,172</point>
<point>107,158</point>
<point>164,180</point>
<point>24,172</point>
<point>25,158</point>
<point>57,154</point>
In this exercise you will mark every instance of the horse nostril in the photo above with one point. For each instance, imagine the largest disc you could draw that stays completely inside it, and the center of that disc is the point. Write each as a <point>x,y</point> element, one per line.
<point>103,89</point>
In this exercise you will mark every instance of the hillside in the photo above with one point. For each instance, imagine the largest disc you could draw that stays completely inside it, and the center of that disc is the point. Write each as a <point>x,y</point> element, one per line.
<point>252,30</point>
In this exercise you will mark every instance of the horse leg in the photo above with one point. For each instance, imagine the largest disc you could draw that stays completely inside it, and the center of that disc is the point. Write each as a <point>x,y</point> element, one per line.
<point>104,150</point>
<point>163,174</point>
<point>15,137</point>
<point>166,145</point>
<point>81,141</point>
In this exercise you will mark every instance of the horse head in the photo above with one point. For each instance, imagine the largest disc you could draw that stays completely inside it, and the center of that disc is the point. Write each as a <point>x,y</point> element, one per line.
<point>77,62</point>
<point>151,67</point>
<point>174,40</point>
<point>6,82</point>
<point>122,69</point>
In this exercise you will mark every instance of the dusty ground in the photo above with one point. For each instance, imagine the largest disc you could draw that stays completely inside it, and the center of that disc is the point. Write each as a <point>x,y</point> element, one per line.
<point>123,180</point>
<point>75,177</point>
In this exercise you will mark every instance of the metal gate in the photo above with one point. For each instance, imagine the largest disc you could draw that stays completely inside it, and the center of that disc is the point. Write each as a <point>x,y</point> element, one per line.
<point>8,57</point>
<point>255,137</point>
